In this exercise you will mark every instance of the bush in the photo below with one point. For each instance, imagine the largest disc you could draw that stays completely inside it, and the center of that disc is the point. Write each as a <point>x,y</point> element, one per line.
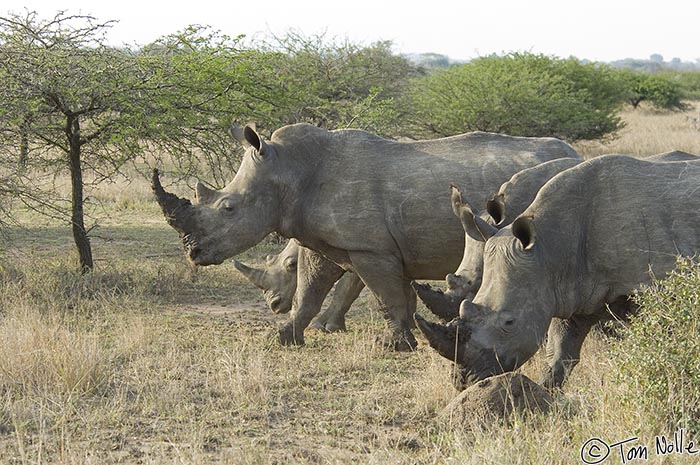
<point>519,94</point>
<point>687,81</point>
<point>659,360</point>
<point>658,90</point>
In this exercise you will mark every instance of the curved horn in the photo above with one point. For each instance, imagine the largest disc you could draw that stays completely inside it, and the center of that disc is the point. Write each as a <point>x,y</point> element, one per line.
<point>174,208</point>
<point>254,275</point>
<point>444,306</point>
<point>444,339</point>
<point>473,225</point>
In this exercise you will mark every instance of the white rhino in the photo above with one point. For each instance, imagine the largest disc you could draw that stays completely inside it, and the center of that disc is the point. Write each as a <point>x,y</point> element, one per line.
<point>516,194</point>
<point>593,234</point>
<point>373,206</point>
<point>278,281</point>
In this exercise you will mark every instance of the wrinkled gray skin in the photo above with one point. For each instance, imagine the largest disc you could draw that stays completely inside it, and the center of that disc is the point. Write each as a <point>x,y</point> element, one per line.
<point>373,206</point>
<point>516,194</point>
<point>590,237</point>
<point>278,280</point>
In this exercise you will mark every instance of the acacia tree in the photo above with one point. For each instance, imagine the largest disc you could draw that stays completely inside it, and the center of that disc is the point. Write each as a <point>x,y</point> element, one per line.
<point>521,94</point>
<point>70,102</point>
<point>659,91</point>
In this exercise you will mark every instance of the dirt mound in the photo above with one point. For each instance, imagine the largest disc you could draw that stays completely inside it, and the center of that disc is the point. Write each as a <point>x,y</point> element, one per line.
<point>496,398</point>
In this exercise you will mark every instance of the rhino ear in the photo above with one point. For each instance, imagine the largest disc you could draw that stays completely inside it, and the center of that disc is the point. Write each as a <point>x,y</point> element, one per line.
<point>236,132</point>
<point>496,208</point>
<point>473,225</point>
<point>524,231</point>
<point>253,138</point>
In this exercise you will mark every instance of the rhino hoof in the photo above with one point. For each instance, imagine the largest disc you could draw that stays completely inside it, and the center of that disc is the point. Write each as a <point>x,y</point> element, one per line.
<point>289,337</point>
<point>334,327</point>
<point>317,326</point>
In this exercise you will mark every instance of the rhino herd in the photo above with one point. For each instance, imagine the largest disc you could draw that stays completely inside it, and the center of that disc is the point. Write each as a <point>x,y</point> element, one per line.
<point>535,243</point>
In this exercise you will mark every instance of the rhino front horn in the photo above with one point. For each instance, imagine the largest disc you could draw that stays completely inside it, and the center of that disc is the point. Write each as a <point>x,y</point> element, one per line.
<point>175,209</point>
<point>444,339</point>
<point>254,275</point>
<point>444,306</point>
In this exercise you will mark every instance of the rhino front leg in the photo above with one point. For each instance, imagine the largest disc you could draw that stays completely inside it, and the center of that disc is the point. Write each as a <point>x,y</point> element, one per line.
<point>383,275</point>
<point>564,340</point>
<point>332,319</point>
<point>315,278</point>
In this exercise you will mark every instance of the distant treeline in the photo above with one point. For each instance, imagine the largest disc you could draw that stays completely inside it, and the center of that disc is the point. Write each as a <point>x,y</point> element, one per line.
<point>655,63</point>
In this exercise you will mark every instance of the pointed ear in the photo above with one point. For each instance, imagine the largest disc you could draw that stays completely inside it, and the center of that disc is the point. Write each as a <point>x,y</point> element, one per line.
<point>524,231</point>
<point>496,208</point>
<point>473,225</point>
<point>236,132</point>
<point>254,139</point>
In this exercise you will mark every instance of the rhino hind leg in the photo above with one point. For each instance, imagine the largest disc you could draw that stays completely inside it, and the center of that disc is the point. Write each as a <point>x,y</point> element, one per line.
<point>332,319</point>
<point>564,340</point>
<point>383,275</point>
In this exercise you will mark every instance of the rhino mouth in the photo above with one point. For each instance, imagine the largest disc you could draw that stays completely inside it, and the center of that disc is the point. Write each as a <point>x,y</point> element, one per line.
<point>454,342</point>
<point>197,254</point>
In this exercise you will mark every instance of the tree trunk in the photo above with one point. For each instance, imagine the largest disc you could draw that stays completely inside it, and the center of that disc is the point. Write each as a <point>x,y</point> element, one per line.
<point>24,143</point>
<point>82,241</point>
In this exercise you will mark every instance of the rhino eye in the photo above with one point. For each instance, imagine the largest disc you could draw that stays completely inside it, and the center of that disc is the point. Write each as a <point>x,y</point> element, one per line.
<point>290,265</point>
<point>227,207</point>
<point>510,322</point>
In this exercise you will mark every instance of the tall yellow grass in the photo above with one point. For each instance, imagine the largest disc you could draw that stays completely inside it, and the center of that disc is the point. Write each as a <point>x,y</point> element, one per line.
<point>648,132</point>
<point>131,365</point>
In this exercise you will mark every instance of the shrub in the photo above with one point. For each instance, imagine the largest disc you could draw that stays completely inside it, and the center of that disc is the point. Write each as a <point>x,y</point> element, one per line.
<point>659,360</point>
<point>661,92</point>
<point>521,95</point>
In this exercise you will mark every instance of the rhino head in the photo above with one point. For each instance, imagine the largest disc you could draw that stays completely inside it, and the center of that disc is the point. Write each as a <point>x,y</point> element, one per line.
<point>467,280</point>
<point>277,279</point>
<point>220,224</point>
<point>507,320</point>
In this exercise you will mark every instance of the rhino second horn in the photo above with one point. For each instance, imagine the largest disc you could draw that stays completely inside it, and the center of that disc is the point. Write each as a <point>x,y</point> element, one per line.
<point>444,306</point>
<point>254,275</point>
<point>468,311</point>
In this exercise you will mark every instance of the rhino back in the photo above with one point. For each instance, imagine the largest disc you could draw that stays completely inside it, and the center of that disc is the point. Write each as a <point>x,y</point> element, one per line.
<point>520,190</point>
<point>369,193</point>
<point>605,223</point>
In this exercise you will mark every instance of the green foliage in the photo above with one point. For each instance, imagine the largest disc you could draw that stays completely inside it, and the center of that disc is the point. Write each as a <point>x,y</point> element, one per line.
<point>658,359</point>
<point>687,81</point>
<point>329,84</point>
<point>656,89</point>
<point>519,94</point>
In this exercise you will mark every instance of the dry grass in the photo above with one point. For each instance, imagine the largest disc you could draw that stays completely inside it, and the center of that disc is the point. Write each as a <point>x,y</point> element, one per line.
<point>149,362</point>
<point>648,132</point>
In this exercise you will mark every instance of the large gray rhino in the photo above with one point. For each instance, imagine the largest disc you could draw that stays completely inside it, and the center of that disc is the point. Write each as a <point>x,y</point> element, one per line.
<point>278,281</point>
<point>592,235</point>
<point>373,206</point>
<point>513,197</point>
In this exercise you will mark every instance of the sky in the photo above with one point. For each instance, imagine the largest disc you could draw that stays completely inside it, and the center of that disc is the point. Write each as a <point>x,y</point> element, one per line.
<point>598,30</point>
